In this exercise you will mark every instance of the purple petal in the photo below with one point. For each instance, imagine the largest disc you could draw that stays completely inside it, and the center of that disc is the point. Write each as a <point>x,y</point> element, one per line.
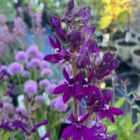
<point>90,77</point>
<point>116,111</point>
<point>114,137</point>
<point>52,43</point>
<point>101,114</point>
<point>94,48</point>
<point>108,96</point>
<point>79,77</point>
<point>37,125</point>
<point>56,21</point>
<point>72,118</point>
<point>68,132</point>
<point>110,116</point>
<point>58,43</point>
<point>53,58</point>
<point>61,33</point>
<point>70,5</point>
<point>45,136</point>
<point>87,133</point>
<point>84,118</point>
<point>59,89</point>
<point>66,75</point>
<point>67,94</point>
<point>77,135</point>
<point>92,89</point>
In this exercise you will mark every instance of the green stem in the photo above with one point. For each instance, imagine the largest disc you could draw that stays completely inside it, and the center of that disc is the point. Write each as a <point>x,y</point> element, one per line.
<point>19,81</point>
<point>75,102</point>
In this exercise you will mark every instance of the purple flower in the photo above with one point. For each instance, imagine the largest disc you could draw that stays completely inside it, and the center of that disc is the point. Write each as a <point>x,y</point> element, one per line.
<point>77,130</point>
<point>5,124</point>
<point>46,72</point>
<point>21,56</point>
<point>39,99</point>
<point>44,64</point>
<point>30,88</point>
<point>8,107</point>
<point>43,84</point>
<point>3,72</point>
<point>21,125</point>
<point>68,88</point>
<point>39,124</point>
<point>106,110</point>
<point>34,63</point>
<point>19,27</point>
<point>26,74</point>
<point>58,104</point>
<point>108,63</point>
<point>60,54</point>
<point>21,112</point>
<point>15,68</point>
<point>50,88</point>
<point>33,51</point>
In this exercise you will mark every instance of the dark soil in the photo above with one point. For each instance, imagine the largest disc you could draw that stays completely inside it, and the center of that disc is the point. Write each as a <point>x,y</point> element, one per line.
<point>137,52</point>
<point>119,35</point>
<point>129,44</point>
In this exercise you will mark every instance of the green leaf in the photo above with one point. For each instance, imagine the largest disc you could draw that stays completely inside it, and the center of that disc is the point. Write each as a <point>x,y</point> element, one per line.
<point>120,102</point>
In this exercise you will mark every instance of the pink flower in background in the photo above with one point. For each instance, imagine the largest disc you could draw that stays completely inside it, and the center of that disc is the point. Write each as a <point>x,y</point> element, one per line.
<point>58,104</point>
<point>19,27</point>
<point>2,49</point>
<point>2,19</point>
<point>15,68</point>
<point>6,36</point>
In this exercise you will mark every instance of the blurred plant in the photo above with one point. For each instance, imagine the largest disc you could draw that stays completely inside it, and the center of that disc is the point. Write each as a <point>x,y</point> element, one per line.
<point>115,13</point>
<point>29,95</point>
<point>124,127</point>
<point>7,9</point>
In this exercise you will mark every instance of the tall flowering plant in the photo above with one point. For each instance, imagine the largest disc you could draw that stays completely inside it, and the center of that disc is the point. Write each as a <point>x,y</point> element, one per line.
<point>74,44</point>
